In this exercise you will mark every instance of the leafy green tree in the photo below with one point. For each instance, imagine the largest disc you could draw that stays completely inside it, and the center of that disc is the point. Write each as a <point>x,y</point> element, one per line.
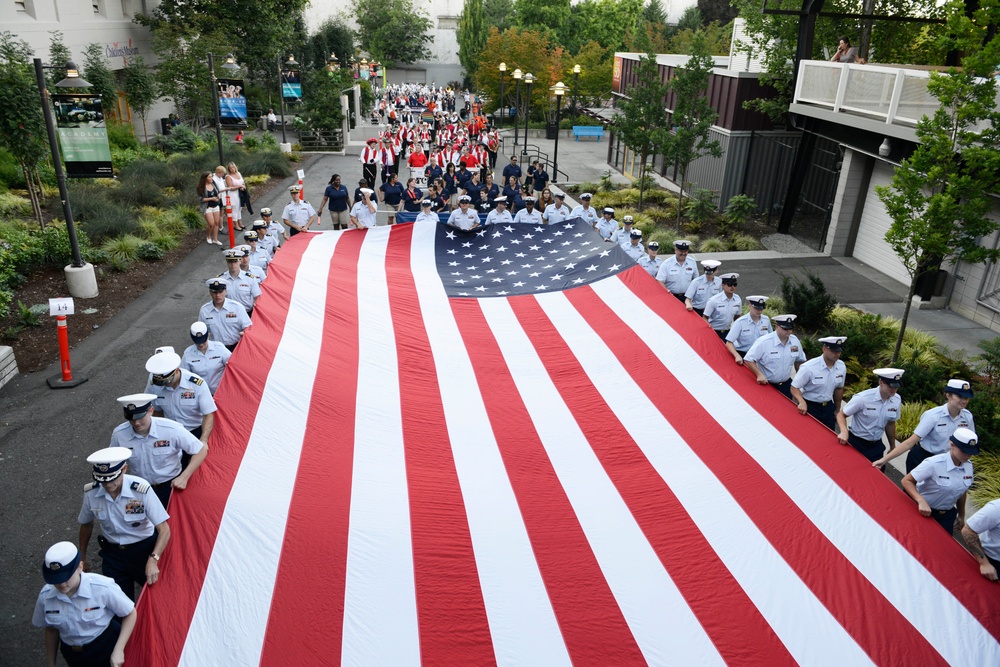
<point>392,31</point>
<point>596,63</point>
<point>643,123</point>
<point>101,80</point>
<point>498,14</point>
<point>940,196</point>
<point>22,127</point>
<point>653,13</point>
<point>59,55</point>
<point>332,36</point>
<point>720,11</point>
<point>545,16</point>
<point>529,50</point>
<point>693,116</point>
<point>691,19</point>
<point>140,90</point>
<point>718,39</point>
<point>603,21</point>
<point>472,33</point>
<point>321,108</point>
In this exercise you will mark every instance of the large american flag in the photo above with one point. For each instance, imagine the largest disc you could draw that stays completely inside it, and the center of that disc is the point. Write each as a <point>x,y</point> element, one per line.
<point>563,467</point>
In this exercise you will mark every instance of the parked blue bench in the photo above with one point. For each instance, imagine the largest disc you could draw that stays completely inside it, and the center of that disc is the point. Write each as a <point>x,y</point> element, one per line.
<point>588,131</point>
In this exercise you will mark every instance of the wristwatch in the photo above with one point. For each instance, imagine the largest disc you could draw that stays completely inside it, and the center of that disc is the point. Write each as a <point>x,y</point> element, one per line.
<point>155,557</point>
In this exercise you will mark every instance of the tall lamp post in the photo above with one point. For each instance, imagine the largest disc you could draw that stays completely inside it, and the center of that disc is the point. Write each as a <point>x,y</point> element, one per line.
<point>332,64</point>
<point>576,79</point>
<point>517,103</point>
<point>80,278</point>
<point>290,64</point>
<point>503,70</point>
<point>559,89</point>
<point>529,79</point>
<point>231,66</point>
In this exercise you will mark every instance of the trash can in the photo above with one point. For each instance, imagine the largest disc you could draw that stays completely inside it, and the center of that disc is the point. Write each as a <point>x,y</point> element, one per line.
<point>165,126</point>
<point>551,129</point>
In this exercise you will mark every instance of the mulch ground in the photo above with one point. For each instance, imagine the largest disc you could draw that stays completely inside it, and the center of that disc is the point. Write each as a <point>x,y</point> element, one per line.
<point>37,347</point>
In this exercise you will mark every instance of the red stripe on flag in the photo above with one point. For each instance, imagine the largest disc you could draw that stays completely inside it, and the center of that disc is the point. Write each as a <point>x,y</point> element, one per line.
<point>874,492</point>
<point>451,613</point>
<point>323,480</point>
<point>839,586</point>
<point>166,608</point>
<point>592,625</point>
<point>729,617</point>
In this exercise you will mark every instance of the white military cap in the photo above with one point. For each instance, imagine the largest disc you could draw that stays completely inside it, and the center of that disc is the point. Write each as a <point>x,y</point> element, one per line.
<point>729,277</point>
<point>892,376</point>
<point>960,387</point>
<point>635,234</point>
<point>786,321</point>
<point>164,348</point>
<point>757,300</point>
<point>136,405</point>
<point>60,562</point>
<point>709,264</point>
<point>502,199</point>
<point>367,191</point>
<point>586,195</point>
<point>834,342</point>
<point>199,332</point>
<point>163,363</point>
<point>108,462</point>
<point>966,440</point>
<point>608,209</point>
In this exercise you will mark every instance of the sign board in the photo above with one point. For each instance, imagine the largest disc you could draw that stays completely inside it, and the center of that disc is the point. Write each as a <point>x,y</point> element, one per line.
<point>232,102</point>
<point>61,306</point>
<point>83,137</point>
<point>616,75</point>
<point>301,173</point>
<point>291,86</point>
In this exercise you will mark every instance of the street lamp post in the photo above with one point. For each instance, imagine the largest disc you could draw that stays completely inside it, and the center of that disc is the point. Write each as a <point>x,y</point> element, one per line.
<point>80,278</point>
<point>559,89</point>
<point>289,64</point>
<point>529,79</point>
<point>576,79</point>
<point>332,64</point>
<point>230,65</point>
<point>503,70</point>
<point>517,103</point>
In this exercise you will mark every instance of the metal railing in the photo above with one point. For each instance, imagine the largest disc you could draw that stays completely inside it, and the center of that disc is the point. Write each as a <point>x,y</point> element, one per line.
<point>321,140</point>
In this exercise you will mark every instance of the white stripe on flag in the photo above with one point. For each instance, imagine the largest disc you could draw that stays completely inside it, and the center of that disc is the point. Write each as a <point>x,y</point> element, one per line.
<point>900,577</point>
<point>664,627</point>
<point>221,632</point>
<point>523,625</point>
<point>797,617</point>
<point>380,605</point>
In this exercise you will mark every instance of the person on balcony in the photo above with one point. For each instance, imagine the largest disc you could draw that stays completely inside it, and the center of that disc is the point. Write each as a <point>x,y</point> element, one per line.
<point>846,53</point>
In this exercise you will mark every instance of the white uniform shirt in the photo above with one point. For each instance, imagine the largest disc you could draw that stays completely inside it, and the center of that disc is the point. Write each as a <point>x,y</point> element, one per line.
<point>622,237</point>
<point>298,212</point>
<point>260,256</point>
<point>870,414</point>
<point>941,482</point>
<point>242,288</point>
<point>208,365</point>
<point>589,214</point>
<point>817,381</point>
<point>495,216</point>
<point>225,323</point>
<point>651,264</point>
<point>428,217</point>
<point>257,271</point>
<point>606,227</point>
<point>156,457</point>
<point>636,252</point>
<point>554,214</point>
<point>675,276</point>
<point>82,618</point>
<point>745,331</point>
<point>986,523</point>
<point>188,403</point>
<point>463,219</point>
<point>129,518</point>
<point>700,290</point>
<point>268,243</point>
<point>526,217</point>
<point>364,214</point>
<point>936,426</point>
<point>276,231</point>
<point>721,311</point>
<point>774,359</point>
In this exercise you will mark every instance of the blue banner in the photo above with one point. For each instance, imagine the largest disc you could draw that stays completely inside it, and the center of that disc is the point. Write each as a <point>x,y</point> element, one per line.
<point>232,102</point>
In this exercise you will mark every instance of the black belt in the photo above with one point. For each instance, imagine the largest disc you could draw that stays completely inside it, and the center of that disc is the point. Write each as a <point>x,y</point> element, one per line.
<point>105,543</point>
<point>942,512</point>
<point>821,404</point>
<point>870,442</point>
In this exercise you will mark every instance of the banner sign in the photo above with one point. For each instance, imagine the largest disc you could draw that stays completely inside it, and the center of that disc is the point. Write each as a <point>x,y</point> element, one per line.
<point>291,87</point>
<point>83,137</point>
<point>616,75</point>
<point>232,102</point>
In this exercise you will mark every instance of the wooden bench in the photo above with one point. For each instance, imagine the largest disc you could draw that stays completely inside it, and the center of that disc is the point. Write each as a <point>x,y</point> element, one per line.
<point>588,131</point>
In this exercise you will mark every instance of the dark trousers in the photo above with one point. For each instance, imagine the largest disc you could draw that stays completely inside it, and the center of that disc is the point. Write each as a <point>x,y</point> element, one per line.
<point>916,457</point>
<point>95,654</point>
<point>369,170</point>
<point>386,170</point>
<point>945,518</point>
<point>700,311</point>
<point>679,297</point>
<point>824,412</point>
<point>722,334</point>
<point>785,388</point>
<point>162,491</point>
<point>871,449</point>
<point>126,564</point>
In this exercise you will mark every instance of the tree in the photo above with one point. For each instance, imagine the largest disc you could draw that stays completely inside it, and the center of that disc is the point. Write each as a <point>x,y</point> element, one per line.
<point>529,50</point>
<point>720,11</point>
<point>140,90</point>
<point>545,16</point>
<point>321,108</point>
<point>643,123</point>
<point>498,14</point>
<point>332,36</point>
<point>102,81</point>
<point>653,13</point>
<point>22,126</point>
<point>693,116</point>
<point>596,64</point>
<point>392,31</point>
<point>941,194</point>
<point>472,33</point>
<point>691,19</point>
<point>603,21</point>
<point>59,55</point>
<point>717,38</point>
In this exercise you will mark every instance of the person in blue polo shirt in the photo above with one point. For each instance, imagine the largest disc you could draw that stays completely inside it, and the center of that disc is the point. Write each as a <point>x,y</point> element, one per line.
<point>818,387</point>
<point>873,412</point>
<point>939,484</point>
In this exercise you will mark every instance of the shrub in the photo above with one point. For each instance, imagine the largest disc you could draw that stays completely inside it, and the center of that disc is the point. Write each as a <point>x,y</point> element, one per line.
<point>868,335</point>
<point>137,192</point>
<point>14,206</point>
<point>256,179</point>
<point>150,251</point>
<point>251,143</point>
<point>29,316</point>
<point>986,486</point>
<point>146,169</point>
<point>666,238</point>
<point>100,216</point>
<point>11,175</point>
<point>660,213</point>
<point>272,163</point>
<point>809,300</point>
<point>123,250</point>
<point>121,136</point>
<point>180,140</point>
<point>713,244</point>
<point>744,243</point>
<point>909,417</point>
<point>193,219</point>
<point>606,184</point>
<point>701,205</point>
<point>97,256</point>
<point>268,142</point>
<point>740,209</point>
<point>165,241</point>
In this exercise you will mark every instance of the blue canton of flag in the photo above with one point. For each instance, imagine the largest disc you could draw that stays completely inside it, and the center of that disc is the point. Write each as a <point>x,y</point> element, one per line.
<point>507,260</point>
